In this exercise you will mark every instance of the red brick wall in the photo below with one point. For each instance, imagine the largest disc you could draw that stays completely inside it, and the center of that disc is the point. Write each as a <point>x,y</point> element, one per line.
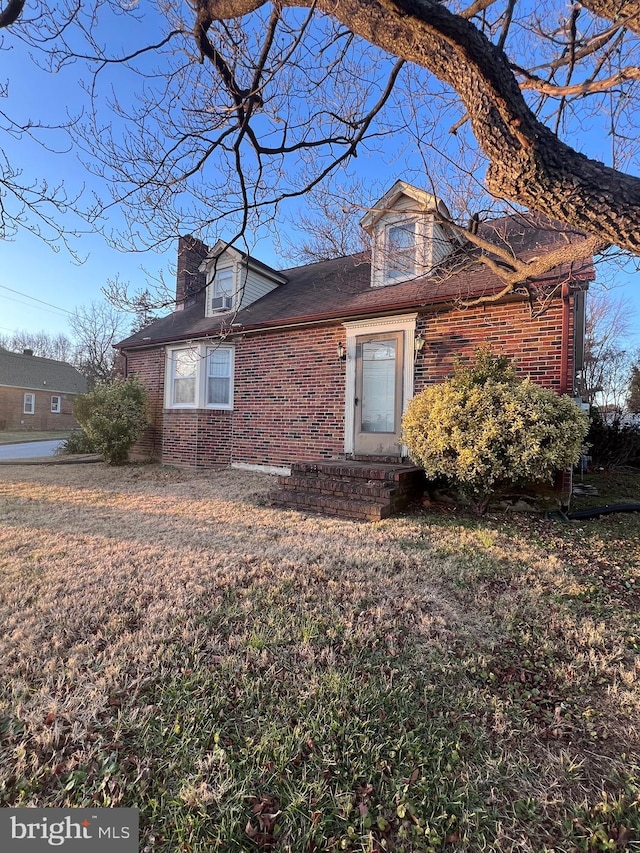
<point>533,343</point>
<point>290,385</point>
<point>149,366</point>
<point>289,397</point>
<point>12,410</point>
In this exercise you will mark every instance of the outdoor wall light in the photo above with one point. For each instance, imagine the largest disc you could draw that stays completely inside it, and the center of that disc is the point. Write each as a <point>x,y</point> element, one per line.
<point>342,352</point>
<point>418,344</point>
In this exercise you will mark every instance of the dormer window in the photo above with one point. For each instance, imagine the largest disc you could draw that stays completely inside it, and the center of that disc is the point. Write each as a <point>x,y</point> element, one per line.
<point>221,290</point>
<point>400,251</point>
<point>410,235</point>
<point>235,280</point>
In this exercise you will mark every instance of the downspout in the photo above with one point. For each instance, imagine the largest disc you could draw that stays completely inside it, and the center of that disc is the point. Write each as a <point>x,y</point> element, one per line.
<point>564,345</point>
<point>564,481</point>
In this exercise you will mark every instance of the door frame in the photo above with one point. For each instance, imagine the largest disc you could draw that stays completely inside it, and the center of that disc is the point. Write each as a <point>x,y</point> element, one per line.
<point>405,323</point>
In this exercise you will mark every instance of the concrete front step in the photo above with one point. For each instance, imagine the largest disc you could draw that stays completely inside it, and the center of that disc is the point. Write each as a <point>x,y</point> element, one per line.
<point>350,489</point>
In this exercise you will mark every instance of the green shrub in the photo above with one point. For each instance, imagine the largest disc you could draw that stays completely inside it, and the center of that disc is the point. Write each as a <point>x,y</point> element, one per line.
<point>113,417</point>
<point>78,442</point>
<point>483,429</point>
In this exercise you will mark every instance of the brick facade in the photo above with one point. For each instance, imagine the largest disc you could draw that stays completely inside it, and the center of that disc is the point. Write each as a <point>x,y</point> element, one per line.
<point>290,386</point>
<point>13,417</point>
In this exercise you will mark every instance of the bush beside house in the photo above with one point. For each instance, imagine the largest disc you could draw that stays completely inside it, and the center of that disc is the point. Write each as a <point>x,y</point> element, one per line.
<point>484,429</point>
<point>113,417</point>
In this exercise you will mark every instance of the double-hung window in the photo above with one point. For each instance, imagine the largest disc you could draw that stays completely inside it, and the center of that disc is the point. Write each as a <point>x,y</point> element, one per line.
<point>29,404</point>
<point>221,290</point>
<point>219,365</point>
<point>55,405</point>
<point>400,251</point>
<point>199,377</point>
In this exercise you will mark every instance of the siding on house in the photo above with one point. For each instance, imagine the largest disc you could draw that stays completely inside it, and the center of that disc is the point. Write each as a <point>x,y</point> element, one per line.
<point>252,286</point>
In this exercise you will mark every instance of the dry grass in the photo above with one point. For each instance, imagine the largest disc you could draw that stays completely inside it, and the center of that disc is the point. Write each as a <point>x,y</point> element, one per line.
<point>252,678</point>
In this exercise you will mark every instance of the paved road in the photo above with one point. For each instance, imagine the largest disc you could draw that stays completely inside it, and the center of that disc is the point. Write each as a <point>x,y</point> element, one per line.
<point>29,449</point>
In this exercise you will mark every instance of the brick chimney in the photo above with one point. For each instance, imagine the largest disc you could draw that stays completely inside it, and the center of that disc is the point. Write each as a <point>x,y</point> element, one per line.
<point>189,281</point>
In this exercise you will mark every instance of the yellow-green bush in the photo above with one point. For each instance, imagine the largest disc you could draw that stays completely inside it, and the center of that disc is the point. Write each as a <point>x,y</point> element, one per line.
<point>484,432</point>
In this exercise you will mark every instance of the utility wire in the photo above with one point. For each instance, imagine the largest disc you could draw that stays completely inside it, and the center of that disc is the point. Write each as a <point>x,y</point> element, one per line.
<point>33,298</point>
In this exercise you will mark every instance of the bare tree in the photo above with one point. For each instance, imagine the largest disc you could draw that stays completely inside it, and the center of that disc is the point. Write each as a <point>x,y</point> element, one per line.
<point>633,398</point>
<point>96,328</point>
<point>607,356</point>
<point>237,107</point>
<point>27,202</point>
<point>42,344</point>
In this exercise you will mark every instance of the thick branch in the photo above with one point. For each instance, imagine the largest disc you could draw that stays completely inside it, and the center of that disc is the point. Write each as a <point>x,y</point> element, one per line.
<point>528,163</point>
<point>11,13</point>
<point>585,88</point>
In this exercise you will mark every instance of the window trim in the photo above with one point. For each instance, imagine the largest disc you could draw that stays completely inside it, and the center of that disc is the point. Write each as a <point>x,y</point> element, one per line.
<point>58,409</point>
<point>32,409</point>
<point>202,376</point>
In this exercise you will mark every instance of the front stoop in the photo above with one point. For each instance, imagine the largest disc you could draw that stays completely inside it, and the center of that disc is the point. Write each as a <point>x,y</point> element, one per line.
<point>362,491</point>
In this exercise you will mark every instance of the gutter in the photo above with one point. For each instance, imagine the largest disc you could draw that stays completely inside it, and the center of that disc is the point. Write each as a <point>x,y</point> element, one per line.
<point>307,320</point>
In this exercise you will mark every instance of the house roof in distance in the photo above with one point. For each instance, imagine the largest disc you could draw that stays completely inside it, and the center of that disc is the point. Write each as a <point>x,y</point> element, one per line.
<point>23,370</point>
<point>340,289</point>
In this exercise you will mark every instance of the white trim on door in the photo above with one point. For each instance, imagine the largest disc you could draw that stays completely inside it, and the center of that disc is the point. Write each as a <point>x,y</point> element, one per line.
<point>401,323</point>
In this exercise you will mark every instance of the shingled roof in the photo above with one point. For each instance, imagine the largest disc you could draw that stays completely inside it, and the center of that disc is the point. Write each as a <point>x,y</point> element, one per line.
<point>340,289</point>
<point>22,370</point>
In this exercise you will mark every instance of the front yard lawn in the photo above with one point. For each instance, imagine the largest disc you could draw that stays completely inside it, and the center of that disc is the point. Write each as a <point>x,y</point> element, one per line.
<point>257,679</point>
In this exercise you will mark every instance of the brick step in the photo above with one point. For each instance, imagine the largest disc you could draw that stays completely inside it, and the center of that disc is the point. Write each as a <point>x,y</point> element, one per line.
<point>363,489</point>
<point>356,470</point>
<point>331,505</point>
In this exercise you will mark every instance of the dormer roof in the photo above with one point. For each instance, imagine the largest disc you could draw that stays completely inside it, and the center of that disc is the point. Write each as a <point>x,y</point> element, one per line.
<point>423,202</point>
<point>223,248</point>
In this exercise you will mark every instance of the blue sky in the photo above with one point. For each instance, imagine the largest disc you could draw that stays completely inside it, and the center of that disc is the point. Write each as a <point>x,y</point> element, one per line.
<point>29,266</point>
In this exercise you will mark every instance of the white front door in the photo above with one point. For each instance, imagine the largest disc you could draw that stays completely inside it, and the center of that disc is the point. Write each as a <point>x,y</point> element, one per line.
<point>379,383</point>
<point>378,398</point>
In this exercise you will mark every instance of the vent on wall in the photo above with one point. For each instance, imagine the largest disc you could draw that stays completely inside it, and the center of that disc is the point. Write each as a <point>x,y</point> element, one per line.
<point>221,303</point>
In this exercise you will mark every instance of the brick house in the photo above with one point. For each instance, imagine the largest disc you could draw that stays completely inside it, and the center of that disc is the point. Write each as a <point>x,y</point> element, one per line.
<point>37,393</point>
<point>264,368</point>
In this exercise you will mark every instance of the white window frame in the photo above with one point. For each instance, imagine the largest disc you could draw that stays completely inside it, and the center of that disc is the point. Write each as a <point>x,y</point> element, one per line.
<point>31,409</point>
<point>222,286</point>
<point>56,408</point>
<point>202,352</point>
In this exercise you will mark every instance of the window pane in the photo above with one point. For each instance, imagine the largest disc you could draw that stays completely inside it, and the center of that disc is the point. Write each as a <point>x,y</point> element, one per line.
<point>378,386</point>
<point>185,363</point>
<point>184,392</point>
<point>218,391</point>
<point>223,283</point>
